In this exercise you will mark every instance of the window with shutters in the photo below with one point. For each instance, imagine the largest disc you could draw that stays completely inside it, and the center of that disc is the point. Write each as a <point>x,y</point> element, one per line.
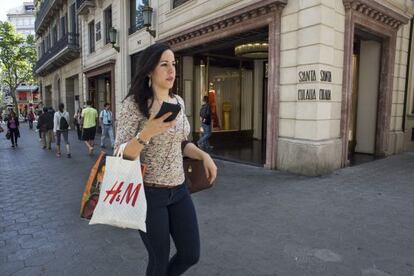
<point>63,26</point>
<point>54,35</point>
<point>91,27</point>
<point>108,23</point>
<point>73,19</point>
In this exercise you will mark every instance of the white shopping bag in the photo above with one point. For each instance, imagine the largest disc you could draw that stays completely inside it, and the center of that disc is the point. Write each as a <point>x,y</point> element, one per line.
<point>122,201</point>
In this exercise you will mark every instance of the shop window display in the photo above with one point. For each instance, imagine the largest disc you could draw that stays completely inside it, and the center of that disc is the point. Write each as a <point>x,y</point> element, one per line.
<point>230,93</point>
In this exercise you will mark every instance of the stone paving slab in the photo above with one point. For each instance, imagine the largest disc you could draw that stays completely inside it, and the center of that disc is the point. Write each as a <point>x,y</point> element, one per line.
<point>255,222</point>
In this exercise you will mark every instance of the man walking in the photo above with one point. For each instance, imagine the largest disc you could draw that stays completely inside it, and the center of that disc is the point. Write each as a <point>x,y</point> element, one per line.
<point>31,118</point>
<point>45,126</point>
<point>89,120</point>
<point>61,128</point>
<point>205,118</point>
<point>105,119</point>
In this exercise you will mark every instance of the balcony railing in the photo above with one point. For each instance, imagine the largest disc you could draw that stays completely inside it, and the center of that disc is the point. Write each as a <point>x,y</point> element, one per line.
<point>67,47</point>
<point>43,11</point>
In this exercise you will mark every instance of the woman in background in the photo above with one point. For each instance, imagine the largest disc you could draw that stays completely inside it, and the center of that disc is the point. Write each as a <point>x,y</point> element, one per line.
<point>77,121</point>
<point>13,127</point>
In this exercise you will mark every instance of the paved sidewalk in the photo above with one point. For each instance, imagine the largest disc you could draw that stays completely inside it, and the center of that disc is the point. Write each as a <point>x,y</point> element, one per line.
<point>255,222</point>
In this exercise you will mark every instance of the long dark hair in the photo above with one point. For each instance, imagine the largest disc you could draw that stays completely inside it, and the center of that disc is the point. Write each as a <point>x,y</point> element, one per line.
<point>147,62</point>
<point>12,114</point>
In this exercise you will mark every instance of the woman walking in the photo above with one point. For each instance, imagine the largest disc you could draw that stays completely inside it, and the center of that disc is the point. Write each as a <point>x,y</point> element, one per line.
<point>13,127</point>
<point>61,128</point>
<point>77,121</point>
<point>170,209</point>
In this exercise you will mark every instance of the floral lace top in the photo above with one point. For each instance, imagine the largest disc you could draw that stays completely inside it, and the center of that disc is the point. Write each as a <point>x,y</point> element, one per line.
<point>163,155</point>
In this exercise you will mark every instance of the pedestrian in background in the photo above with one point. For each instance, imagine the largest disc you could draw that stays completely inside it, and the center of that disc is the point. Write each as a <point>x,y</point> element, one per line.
<point>51,111</point>
<point>89,121</point>
<point>205,119</point>
<point>31,118</point>
<point>105,119</point>
<point>39,112</point>
<point>170,209</point>
<point>45,126</point>
<point>61,128</point>
<point>77,122</point>
<point>24,114</point>
<point>1,121</point>
<point>13,128</point>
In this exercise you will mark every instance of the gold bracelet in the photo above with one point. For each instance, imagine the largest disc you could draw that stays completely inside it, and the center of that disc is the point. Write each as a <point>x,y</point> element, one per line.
<point>142,142</point>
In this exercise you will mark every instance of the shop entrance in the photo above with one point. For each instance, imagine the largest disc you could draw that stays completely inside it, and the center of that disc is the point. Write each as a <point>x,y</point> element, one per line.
<point>100,86</point>
<point>100,91</point>
<point>232,72</point>
<point>366,68</point>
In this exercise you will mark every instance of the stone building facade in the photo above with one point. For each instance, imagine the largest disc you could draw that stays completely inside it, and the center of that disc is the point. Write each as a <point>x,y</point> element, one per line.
<point>58,48</point>
<point>337,73</point>
<point>303,86</point>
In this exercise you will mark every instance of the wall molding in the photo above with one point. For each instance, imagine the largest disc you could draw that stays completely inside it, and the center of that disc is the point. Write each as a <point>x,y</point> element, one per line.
<point>377,12</point>
<point>260,13</point>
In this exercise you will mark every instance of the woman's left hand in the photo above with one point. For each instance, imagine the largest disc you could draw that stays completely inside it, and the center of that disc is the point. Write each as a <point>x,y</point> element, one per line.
<point>210,168</point>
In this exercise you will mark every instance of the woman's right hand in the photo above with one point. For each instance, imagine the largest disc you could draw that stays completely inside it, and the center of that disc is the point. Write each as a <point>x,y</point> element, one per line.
<point>154,127</point>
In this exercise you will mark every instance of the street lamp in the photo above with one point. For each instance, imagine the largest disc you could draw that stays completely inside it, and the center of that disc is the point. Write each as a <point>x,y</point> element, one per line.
<point>147,14</point>
<point>112,38</point>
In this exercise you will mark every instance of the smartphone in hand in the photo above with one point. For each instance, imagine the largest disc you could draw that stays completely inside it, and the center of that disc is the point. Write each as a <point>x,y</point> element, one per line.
<point>169,107</point>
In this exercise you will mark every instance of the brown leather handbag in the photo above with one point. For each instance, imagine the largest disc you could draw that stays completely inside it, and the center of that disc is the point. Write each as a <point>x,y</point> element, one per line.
<point>195,174</point>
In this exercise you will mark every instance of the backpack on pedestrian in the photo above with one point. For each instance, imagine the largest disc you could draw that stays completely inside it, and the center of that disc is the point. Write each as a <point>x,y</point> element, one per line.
<point>63,123</point>
<point>30,116</point>
<point>49,121</point>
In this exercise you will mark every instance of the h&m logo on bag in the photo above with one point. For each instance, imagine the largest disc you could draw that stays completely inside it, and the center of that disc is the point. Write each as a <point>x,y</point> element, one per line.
<point>119,195</point>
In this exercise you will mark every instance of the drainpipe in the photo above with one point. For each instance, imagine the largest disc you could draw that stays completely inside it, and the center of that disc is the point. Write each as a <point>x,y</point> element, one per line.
<point>407,76</point>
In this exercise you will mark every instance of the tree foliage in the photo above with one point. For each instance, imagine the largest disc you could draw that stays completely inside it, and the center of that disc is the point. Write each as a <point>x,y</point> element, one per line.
<point>17,58</point>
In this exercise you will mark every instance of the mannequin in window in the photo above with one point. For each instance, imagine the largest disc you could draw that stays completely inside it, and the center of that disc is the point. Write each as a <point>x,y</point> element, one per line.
<point>212,101</point>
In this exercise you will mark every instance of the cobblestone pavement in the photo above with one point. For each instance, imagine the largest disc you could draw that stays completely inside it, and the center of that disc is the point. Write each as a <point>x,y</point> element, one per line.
<point>356,221</point>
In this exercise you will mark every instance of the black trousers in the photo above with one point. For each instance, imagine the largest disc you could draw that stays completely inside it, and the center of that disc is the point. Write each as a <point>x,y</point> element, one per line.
<point>170,212</point>
<point>13,135</point>
<point>79,131</point>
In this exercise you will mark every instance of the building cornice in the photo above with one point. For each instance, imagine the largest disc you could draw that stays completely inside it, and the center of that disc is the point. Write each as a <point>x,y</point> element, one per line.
<point>377,12</point>
<point>232,19</point>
